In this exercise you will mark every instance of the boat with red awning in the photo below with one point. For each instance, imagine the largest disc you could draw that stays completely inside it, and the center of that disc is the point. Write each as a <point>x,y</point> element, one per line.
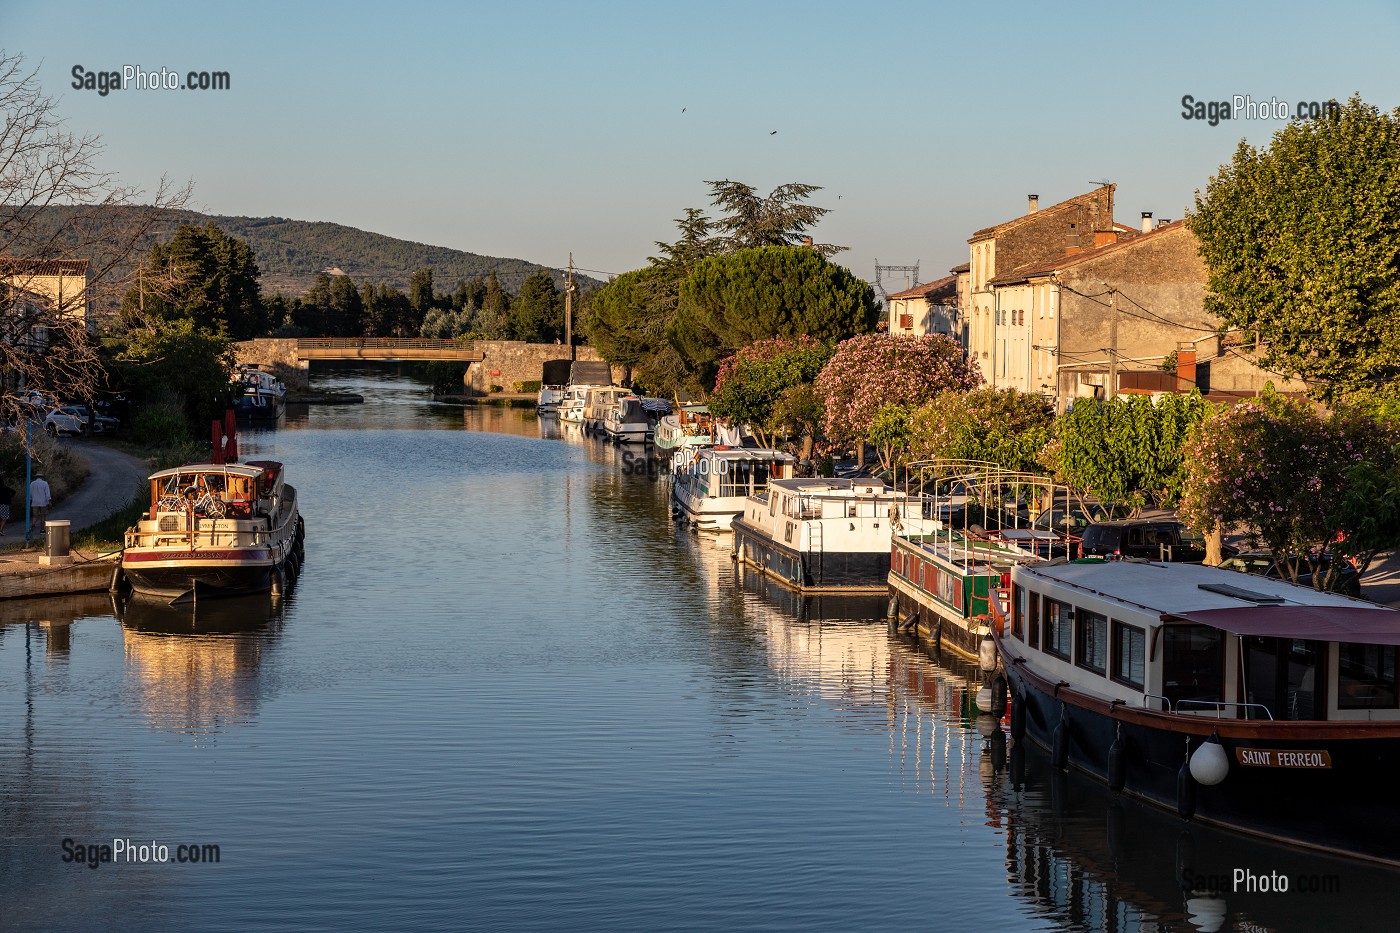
<point>1238,700</point>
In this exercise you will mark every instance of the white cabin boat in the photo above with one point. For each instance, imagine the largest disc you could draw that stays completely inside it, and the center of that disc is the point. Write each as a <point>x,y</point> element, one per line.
<point>691,426</point>
<point>823,534</point>
<point>710,485</point>
<point>633,419</point>
<point>571,405</point>
<point>598,404</point>
<point>554,380</point>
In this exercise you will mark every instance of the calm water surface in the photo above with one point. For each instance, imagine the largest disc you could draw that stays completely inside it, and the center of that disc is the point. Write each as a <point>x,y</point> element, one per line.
<point>508,694</point>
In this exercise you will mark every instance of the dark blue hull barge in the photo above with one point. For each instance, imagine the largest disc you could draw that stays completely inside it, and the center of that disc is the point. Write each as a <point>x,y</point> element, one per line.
<point>1248,703</point>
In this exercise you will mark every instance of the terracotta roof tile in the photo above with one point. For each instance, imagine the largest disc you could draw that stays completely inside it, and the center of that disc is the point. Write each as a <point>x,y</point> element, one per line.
<point>948,283</point>
<point>10,265</point>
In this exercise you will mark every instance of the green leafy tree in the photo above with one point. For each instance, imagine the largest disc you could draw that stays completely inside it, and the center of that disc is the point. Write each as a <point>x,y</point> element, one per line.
<point>627,319</point>
<point>873,370</point>
<point>753,382</point>
<point>889,432</point>
<point>1128,449</point>
<point>183,358</point>
<point>537,311</point>
<point>799,411</point>
<point>420,291</point>
<point>203,275</point>
<point>1297,482</point>
<point>731,301</point>
<point>1302,243</point>
<point>695,244</point>
<point>493,321</point>
<point>781,218</point>
<point>1001,426</point>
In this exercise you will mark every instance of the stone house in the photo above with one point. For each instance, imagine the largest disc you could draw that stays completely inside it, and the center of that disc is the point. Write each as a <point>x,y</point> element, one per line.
<point>1136,301</point>
<point>64,283</point>
<point>931,308</point>
<point>1034,237</point>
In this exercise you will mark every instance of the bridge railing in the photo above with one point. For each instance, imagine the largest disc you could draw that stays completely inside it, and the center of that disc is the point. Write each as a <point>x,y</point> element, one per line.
<point>381,343</point>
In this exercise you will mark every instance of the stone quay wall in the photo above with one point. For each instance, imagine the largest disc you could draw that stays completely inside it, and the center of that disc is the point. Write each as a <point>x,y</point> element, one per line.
<point>510,361</point>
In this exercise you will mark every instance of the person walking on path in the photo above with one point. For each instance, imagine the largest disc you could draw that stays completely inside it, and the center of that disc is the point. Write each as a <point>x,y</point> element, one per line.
<point>7,498</point>
<point>39,498</point>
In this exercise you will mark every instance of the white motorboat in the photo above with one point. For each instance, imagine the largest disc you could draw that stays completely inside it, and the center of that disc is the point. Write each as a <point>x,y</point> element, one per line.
<point>554,380</point>
<point>824,534</point>
<point>709,485</point>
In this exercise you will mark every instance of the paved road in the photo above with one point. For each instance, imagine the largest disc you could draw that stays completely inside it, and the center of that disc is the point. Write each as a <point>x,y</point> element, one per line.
<point>113,479</point>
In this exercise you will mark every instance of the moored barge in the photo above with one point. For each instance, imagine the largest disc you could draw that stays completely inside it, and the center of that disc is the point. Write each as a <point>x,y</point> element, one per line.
<point>1250,703</point>
<point>216,530</point>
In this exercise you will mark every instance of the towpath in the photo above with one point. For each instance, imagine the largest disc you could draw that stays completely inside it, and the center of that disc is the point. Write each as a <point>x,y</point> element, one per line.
<point>113,478</point>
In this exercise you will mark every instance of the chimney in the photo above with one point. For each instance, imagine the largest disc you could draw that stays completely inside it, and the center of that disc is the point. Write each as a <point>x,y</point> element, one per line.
<point>1146,221</point>
<point>1185,369</point>
<point>807,242</point>
<point>1033,203</point>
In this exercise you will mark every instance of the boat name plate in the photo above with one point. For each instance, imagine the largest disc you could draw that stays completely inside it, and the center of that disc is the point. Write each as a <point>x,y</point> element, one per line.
<point>1278,758</point>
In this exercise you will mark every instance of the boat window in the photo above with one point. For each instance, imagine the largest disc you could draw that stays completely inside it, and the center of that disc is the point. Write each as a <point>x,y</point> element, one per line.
<point>1033,622</point>
<point>1128,644</point>
<point>1091,640</point>
<point>1366,676</point>
<point>1018,609</point>
<point>1059,635</point>
<point>1281,673</point>
<point>1193,663</point>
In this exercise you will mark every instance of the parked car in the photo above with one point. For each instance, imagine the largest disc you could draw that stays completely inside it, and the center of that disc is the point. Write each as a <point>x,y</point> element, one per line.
<point>1068,519</point>
<point>1150,538</point>
<point>97,423</point>
<point>1346,581</point>
<point>66,419</point>
<point>32,398</point>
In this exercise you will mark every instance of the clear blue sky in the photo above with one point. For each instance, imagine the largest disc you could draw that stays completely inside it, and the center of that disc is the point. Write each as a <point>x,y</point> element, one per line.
<point>532,129</point>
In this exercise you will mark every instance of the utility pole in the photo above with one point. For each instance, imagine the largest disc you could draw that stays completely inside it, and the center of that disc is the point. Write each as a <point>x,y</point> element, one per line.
<point>1112,342</point>
<point>569,307</point>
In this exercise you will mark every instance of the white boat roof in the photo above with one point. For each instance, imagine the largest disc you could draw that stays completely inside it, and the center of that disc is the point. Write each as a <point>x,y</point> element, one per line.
<point>747,453</point>
<point>232,469</point>
<point>1175,588</point>
<point>816,485</point>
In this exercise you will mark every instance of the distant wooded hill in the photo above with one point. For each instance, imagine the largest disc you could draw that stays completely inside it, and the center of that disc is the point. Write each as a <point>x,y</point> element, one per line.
<point>291,253</point>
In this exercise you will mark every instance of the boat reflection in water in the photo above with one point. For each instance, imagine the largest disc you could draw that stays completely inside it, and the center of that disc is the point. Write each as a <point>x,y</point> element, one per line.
<point>838,649</point>
<point>1087,859</point>
<point>194,668</point>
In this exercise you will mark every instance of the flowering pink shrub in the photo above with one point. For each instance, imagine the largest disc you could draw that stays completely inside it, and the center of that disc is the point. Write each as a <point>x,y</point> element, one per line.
<point>1288,476</point>
<point>873,370</point>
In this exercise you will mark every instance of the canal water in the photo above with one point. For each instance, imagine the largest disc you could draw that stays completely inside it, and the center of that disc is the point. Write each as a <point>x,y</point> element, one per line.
<point>508,693</point>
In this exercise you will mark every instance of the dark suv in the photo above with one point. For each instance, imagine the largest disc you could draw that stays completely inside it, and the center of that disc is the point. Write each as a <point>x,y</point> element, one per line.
<point>1150,538</point>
